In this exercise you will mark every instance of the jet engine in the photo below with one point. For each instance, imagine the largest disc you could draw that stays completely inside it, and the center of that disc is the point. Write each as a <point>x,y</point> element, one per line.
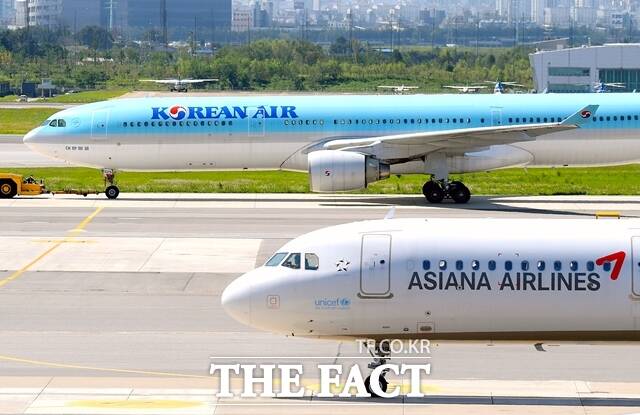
<point>339,171</point>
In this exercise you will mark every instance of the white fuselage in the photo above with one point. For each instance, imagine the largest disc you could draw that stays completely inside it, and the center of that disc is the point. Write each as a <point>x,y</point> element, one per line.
<point>453,279</point>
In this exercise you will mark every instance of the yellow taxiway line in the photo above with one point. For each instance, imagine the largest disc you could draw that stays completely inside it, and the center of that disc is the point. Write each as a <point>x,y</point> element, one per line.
<point>69,238</point>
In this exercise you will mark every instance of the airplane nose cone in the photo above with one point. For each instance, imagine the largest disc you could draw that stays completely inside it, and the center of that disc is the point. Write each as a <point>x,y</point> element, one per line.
<point>30,137</point>
<point>236,300</point>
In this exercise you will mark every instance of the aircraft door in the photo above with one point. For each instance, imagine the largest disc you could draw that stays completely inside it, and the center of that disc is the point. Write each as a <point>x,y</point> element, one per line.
<point>99,121</point>
<point>256,118</point>
<point>635,285</point>
<point>375,267</point>
<point>496,116</point>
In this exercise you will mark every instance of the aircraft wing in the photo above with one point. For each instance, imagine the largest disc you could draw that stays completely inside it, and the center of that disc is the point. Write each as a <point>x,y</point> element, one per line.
<point>197,81</point>
<point>161,81</point>
<point>460,139</point>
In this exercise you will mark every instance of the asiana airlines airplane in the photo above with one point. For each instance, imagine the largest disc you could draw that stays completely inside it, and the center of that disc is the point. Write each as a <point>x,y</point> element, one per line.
<point>526,280</point>
<point>346,142</point>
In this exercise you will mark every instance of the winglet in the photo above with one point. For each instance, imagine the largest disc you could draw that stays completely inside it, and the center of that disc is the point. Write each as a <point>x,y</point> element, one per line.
<point>582,116</point>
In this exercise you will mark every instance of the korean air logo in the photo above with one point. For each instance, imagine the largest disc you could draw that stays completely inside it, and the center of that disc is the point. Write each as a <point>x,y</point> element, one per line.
<point>585,114</point>
<point>177,112</point>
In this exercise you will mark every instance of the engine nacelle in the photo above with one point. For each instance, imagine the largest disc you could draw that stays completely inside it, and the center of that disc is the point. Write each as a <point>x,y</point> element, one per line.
<point>340,171</point>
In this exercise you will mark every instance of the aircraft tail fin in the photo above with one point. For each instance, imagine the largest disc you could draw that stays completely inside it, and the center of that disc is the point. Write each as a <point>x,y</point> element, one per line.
<point>581,116</point>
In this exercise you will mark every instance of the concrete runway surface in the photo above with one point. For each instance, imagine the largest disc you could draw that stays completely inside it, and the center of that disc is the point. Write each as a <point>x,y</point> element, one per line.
<point>13,153</point>
<point>114,307</point>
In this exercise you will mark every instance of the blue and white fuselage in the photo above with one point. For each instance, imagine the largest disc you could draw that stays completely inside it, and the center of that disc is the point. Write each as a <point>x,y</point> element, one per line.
<point>437,134</point>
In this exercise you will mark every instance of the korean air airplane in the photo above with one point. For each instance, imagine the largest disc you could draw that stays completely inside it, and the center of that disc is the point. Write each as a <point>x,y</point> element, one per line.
<point>455,279</point>
<point>346,142</point>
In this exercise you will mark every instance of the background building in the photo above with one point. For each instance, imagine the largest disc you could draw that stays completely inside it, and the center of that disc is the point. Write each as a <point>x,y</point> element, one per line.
<point>7,13</point>
<point>579,69</point>
<point>142,15</point>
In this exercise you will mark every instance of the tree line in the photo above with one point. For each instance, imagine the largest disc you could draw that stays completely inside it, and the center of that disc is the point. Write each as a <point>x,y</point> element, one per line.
<point>93,59</point>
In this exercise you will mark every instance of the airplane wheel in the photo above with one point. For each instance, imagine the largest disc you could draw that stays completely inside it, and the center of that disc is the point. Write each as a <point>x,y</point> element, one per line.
<point>8,189</point>
<point>459,192</point>
<point>112,192</point>
<point>383,386</point>
<point>433,192</point>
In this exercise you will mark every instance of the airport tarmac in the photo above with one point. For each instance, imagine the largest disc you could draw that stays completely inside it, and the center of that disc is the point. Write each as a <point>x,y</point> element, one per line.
<point>114,307</point>
<point>15,154</point>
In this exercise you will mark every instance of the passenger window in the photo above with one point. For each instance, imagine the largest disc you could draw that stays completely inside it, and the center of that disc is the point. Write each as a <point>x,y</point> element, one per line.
<point>492,265</point>
<point>541,265</point>
<point>311,262</point>
<point>459,265</point>
<point>590,266</point>
<point>62,123</point>
<point>293,261</point>
<point>573,265</point>
<point>276,259</point>
<point>53,123</point>
<point>606,266</point>
<point>557,265</point>
<point>524,265</point>
<point>442,264</point>
<point>475,265</point>
<point>426,264</point>
<point>508,265</point>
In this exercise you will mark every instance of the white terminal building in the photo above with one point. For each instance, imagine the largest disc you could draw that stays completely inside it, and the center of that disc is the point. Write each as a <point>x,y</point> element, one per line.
<point>580,69</point>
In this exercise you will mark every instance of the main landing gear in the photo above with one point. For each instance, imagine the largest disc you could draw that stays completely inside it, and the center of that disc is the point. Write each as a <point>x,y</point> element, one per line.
<point>380,357</point>
<point>437,190</point>
<point>112,191</point>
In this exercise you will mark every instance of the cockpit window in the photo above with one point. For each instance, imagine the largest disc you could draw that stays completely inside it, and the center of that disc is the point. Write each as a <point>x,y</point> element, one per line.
<point>311,262</point>
<point>276,259</point>
<point>45,123</point>
<point>292,261</point>
<point>53,123</point>
<point>62,123</point>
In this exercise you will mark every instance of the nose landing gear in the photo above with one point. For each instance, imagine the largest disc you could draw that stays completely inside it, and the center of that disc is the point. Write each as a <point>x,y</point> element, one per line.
<point>112,191</point>
<point>380,357</point>
<point>437,190</point>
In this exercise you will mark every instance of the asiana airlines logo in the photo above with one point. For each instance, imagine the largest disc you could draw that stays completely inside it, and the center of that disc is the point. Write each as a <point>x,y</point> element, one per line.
<point>575,279</point>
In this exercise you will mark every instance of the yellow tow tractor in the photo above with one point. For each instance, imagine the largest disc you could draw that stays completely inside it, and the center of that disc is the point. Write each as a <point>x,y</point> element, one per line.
<point>16,185</point>
<point>12,185</point>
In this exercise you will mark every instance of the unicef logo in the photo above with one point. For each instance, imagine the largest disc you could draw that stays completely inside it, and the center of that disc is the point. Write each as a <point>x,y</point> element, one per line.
<point>339,303</point>
<point>177,112</point>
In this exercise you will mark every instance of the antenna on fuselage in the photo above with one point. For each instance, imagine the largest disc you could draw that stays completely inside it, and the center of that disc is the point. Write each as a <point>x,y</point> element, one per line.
<point>391,213</point>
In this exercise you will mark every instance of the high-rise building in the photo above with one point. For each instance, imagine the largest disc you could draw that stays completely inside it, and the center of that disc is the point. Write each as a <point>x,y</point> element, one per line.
<point>44,13</point>
<point>76,14</point>
<point>7,13</point>
<point>142,15</point>
<point>22,13</point>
